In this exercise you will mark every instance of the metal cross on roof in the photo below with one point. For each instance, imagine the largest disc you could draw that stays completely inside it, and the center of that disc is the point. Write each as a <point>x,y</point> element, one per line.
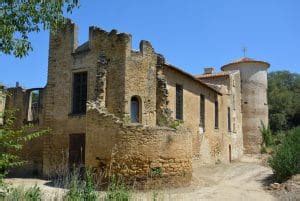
<point>244,51</point>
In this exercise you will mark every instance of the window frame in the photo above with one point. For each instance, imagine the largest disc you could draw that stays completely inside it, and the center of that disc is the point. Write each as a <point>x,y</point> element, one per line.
<point>139,112</point>
<point>179,102</point>
<point>202,111</point>
<point>76,100</point>
<point>216,115</point>
<point>229,119</point>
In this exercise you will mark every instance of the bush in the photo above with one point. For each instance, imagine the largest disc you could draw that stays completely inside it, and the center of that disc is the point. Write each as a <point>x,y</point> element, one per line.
<point>81,189</point>
<point>117,190</point>
<point>285,161</point>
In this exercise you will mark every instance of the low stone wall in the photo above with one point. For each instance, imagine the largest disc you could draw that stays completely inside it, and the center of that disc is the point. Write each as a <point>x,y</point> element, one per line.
<point>142,154</point>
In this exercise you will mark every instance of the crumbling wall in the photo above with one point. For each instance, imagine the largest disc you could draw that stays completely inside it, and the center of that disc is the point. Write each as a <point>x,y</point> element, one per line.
<point>138,152</point>
<point>140,81</point>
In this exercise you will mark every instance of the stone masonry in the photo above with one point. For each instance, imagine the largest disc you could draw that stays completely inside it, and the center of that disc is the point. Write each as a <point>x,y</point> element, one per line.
<point>123,84</point>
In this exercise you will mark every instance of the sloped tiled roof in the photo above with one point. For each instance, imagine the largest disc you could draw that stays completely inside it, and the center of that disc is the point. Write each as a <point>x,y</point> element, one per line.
<point>192,77</point>
<point>220,74</point>
<point>244,60</point>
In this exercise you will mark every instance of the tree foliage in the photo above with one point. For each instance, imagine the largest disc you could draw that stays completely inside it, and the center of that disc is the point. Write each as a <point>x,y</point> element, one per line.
<point>284,100</point>
<point>285,162</point>
<point>12,140</point>
<point>19,18</point>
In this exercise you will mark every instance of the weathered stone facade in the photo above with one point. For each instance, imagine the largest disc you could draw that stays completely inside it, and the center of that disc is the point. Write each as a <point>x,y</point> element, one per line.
<point>110,141</point>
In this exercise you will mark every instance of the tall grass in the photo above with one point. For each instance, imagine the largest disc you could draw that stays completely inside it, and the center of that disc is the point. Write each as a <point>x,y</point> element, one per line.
<point>21,194</point>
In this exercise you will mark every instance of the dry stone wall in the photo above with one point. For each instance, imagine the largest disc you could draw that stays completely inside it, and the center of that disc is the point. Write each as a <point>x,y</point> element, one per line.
<point>138,152</point>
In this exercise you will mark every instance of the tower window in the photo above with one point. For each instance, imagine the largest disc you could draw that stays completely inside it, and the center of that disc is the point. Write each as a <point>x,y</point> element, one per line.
<point>135,110</point>
<point>179,102</point>
<point>216,114</point>
<point>79,93</point>
<point>202,111</point>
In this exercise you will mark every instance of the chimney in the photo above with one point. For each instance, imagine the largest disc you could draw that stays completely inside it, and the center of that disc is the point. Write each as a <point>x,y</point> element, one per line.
<point>209,70</point>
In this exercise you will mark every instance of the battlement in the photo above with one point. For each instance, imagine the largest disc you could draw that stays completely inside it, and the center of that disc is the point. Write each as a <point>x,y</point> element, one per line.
<point>68,38</point>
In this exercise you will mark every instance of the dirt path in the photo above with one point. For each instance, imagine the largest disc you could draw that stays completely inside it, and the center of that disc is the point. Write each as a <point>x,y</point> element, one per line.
<point>237,181</point>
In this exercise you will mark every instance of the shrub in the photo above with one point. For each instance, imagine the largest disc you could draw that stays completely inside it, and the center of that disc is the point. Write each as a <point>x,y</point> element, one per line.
<point>117,190</point>
<point>81,189</point>
<point>285,161</point>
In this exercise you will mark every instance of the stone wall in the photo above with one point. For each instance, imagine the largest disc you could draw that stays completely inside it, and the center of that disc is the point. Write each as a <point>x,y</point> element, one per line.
<point>231,85</point>
<point>211,145</point>
<point>18,100</point>
<point>138,152</point>
<point>140,81</point>
<point>254,101</point>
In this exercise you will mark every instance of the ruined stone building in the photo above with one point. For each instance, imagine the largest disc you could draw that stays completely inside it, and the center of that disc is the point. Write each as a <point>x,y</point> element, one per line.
<point>129,112</point>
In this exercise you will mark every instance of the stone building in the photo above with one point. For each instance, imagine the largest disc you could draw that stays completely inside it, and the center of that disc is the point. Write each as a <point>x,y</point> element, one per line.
<point>129,112</point>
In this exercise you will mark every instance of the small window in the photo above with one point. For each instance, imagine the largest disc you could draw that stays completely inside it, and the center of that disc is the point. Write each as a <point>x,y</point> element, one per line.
<point>229,119</point>
<point>79,93</point>
<point>179,102</point>
<point>216,114</point>
<point>135,110</point>
<point>202,111</point>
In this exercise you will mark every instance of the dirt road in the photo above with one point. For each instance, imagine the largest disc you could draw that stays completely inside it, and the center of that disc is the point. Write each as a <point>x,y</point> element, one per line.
<point>237,181</point>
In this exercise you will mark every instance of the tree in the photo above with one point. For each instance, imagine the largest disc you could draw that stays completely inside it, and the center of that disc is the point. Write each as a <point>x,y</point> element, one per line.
<point>19,18</point>
<point>12,140</point>
<point>284,100</point>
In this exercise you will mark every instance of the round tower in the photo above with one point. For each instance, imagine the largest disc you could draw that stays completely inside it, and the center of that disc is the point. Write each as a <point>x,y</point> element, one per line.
<point>254,84</point>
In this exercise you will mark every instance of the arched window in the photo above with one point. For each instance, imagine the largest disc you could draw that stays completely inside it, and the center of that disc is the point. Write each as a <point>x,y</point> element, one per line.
<point>135,110</point>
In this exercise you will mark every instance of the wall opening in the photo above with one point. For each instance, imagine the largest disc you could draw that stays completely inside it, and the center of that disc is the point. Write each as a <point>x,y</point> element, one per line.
<point>202,112</point>
<point>34,105</point>
<point>79,93</point>
<point>228,119</point>
<point>76,150</point>
<point>179,102</point>
<point>229,152</point>
<point>135,109</point>
<point>216,114</point>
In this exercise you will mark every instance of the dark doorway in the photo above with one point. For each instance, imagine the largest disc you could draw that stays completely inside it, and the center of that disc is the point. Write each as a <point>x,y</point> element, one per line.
<point>229,153</point>
<point>76,150</point>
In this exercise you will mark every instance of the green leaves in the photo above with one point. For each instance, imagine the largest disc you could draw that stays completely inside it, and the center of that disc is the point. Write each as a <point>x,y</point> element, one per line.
<point>12,140</point>
<point>20,18</point>
<point>285,162</point>
<point>283,97</point>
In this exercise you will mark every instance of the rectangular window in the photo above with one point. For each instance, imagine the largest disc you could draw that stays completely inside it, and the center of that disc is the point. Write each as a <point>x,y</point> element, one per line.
<point>79,93</point>
<point>216,114</point>
<point>229,119</point>
<point>179,102</point>
<point>202,111</point>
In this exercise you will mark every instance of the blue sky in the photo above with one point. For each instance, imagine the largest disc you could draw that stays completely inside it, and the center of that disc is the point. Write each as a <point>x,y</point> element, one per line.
<point>191,34</point>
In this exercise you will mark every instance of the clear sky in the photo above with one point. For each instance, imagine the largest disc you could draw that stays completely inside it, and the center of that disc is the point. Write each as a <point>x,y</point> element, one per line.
<point>191,34</point>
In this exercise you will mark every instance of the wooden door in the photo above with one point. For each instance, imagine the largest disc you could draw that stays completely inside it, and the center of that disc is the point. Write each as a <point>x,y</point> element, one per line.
<point>76,150</point>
